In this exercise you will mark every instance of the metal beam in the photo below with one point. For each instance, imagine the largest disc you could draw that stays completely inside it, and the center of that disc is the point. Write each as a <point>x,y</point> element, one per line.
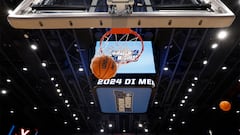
<point>162,64</point>
<point>85,64</point>
<point>83,60</point>
<point>171,84</point>
<point>222,54</point>
<point>189,65</point>
<point>219,16</point>
<point>83,100</point>
<point>74,76</point>
<point>93,6</point>
<point>17,73</point>
<point>148,2</point>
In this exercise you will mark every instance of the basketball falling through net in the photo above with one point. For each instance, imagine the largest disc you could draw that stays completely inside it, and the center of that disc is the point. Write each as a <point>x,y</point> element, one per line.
<point>117,46</point>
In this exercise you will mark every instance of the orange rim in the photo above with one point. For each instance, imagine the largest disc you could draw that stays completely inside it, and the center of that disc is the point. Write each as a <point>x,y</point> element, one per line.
<point>120,30</point>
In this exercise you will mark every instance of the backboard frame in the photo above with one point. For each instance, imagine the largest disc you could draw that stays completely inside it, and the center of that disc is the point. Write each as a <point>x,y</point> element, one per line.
<point>23,17</point>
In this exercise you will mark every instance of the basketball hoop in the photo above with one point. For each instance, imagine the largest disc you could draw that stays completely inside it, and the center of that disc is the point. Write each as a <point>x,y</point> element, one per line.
<point>122,44</point>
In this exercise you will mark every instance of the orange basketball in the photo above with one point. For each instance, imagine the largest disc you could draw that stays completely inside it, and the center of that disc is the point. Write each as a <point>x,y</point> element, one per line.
<point>103,67</point>
<point>225,105</point>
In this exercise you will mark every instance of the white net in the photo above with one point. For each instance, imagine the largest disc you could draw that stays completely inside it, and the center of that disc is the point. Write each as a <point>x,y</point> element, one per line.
<point>123,48</point>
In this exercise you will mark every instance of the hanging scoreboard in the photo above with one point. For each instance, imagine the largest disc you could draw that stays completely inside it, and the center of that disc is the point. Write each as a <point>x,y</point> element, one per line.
<point>131,89</point>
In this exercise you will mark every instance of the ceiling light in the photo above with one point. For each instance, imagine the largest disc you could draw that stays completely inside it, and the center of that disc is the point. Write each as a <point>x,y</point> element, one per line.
<point>171,119</point>
<point>92,103</point>
<point>34,47</point>
<point>4,92</point>
<point>65,122</point>
<point>76,118</point>
<point>139,4</point>
<point>237,111</point>
<point>210,132</point>
<point>58,90</point>
<point>190,90</point>
<point>110,125</point>
<point>52,78</point>
<point>185,97</point>
<point>195,78</point>
<point>145,130</point>
<point>174,115</point>
<point>80,69</point>
<point>170,129</point>
<point>26,35</point>
<point>214,46</point>
<point>88,117</point>
<point>60,94</point>
<point>123,130</point>
<point>25,69</point>
<point>74,115</point>
<point>35,108</point>
<point>156,102</point>
<point>140,125</point>
<point>66,101</point>
<point>56,85</point>
<point>192,110</point>
<point>44,64</point>
<point>8,80</point>
<point>205,62</point>
<point>55,109</point>
<point>165,68</point>
<point>214,108</point>
<point>78,128</point>
<point>10,11</point>
<point>183,122</point>
<point>101,130</point>
<point>68,105</point>
<point>11,111</point>
<point>75,45</point>
<point>183,101</point>
<point>224,68</point>
<point>238,80</point>
<point>159,117</point>
<point>222,35</point>
<point>192,84</point>
<point>181,105</point>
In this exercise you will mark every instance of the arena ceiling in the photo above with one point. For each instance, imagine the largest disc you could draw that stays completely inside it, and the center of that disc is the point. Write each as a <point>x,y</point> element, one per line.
<point>195,70</point>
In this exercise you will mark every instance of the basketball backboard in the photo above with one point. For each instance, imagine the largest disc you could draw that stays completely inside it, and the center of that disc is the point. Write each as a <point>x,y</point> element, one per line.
<point>42,14</point>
